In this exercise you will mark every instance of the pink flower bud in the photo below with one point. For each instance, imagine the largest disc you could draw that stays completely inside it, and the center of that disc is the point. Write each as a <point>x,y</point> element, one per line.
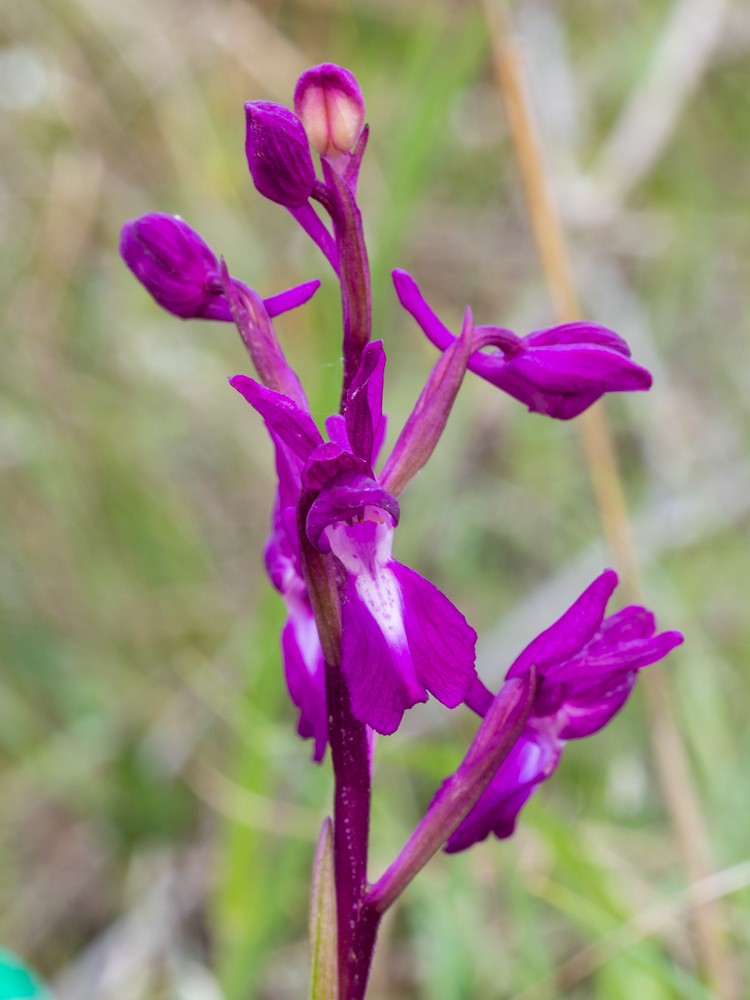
<point>329,104</point>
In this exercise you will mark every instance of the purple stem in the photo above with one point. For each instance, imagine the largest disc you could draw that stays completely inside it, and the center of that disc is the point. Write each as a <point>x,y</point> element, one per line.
<point>259,337</point>
<point>338,199</point>
<point>351,822</point>
<point>493,742</point>
<point>310,221</point>
<point>349,752</point>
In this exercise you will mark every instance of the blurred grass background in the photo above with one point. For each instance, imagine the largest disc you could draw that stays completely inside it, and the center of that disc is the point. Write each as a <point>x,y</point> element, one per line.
<point>158,813</point>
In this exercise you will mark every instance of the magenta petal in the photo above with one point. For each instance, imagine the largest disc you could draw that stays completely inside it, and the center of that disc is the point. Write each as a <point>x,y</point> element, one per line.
<point>218,309</point>
<point>496,370</point>
<point>401,636</point>
<point>305,678</point>
<point>533,758</point>
<point>295,427</point>
<point>579,368</point>
<point>574,628</point>
<point>371,667</point>
<point>597,659</point>
<point>577,333</point>
<point>478,698</point>
<point>626,625</point>
<point>588,713</point>
<point>336,431</point>
<point>559,372</point>
<point>415,303</point>
<point>289,470</point>
<point>291,298</point>
<point>441,642</point>
<point>327,461</point>
<point>568,407</point>
<point>364,407</point>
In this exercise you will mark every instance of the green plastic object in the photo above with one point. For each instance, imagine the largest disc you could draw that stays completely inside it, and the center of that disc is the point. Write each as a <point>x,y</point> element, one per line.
<point>17,981</point>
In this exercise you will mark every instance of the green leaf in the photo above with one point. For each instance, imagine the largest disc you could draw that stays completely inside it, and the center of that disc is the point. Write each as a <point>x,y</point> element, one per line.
<point>324,979</point>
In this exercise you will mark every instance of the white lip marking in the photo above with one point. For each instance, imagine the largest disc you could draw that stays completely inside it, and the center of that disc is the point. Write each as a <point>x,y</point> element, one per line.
<point>368,561</point>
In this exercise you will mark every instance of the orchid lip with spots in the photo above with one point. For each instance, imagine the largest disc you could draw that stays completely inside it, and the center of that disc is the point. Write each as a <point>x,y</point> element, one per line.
<point>366,637</point>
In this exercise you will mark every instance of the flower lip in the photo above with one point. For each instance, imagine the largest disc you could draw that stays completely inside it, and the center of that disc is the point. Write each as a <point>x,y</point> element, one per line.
<point>401,638</point>
<point>329,103</point>
<point>349,496</point>
<point>278,154</point>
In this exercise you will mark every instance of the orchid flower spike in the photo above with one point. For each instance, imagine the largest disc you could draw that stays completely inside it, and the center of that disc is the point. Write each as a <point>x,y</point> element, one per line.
<point>176,265</point>
<point>586,668</point>
<point>559,371</point>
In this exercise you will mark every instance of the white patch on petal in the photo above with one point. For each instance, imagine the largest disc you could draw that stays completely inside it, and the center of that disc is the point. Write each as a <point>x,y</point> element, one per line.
<point>292,589</point>
<point>364,548</point>
<point>547,746</point>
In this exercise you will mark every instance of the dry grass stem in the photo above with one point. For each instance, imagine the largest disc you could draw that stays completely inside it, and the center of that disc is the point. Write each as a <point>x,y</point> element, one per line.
<point>651,920</point>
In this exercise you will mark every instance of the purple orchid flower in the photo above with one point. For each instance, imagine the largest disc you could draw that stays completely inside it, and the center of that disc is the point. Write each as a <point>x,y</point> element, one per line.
<point>559,371</point>
<point>586,666</point>
<point>401,638</point>
<point>175,264</point>
<point>366,637</point>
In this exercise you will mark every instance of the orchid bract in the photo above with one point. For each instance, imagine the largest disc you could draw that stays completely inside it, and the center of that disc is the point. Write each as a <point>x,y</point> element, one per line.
<point>366,637</point>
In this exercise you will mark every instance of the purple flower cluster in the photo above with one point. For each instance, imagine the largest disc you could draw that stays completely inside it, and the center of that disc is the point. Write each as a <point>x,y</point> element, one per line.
<point>366,637</point>
<point>586,667</point>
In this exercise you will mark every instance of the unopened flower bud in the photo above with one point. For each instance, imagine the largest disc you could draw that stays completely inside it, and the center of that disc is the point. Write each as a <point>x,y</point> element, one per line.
<point>329,104</point>
<point>278,154</point>
<point>180,270</point>
<point>173,263</point>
